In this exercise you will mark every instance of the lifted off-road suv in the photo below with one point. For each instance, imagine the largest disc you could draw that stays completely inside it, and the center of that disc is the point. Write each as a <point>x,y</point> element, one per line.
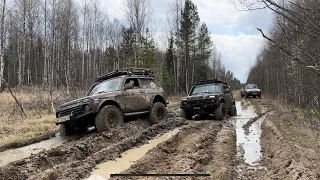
<point>126,92</point>
<point>209,97</point>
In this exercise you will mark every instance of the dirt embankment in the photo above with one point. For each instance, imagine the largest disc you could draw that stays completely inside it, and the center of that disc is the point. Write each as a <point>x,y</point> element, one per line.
<point>204,147</point>
<point>291,149</point>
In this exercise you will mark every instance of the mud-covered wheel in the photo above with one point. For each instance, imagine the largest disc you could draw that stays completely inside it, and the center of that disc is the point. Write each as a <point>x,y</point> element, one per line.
<point>185,114</point>
<point>108,117</point>
<point>220,112</point>
<point>65,130</point>
<point>158,113</point>
<point>233,111</point>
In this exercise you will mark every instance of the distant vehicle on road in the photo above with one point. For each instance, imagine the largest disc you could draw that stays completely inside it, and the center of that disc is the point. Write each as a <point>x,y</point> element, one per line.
<point>127,92</point>
<point>250,89</point>
<point>209,97</point>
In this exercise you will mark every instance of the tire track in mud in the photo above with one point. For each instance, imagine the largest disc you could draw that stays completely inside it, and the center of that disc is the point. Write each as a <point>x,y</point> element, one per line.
<point>76,159</point>
<point>201,147</point>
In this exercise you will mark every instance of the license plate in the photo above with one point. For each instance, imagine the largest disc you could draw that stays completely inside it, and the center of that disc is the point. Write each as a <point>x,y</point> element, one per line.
<point>63,119</point>
<point>196,107</point>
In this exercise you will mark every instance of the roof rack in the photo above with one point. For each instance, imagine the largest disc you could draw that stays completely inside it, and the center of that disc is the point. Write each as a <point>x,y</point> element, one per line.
<point>126,71</point>
<point>210,82</point>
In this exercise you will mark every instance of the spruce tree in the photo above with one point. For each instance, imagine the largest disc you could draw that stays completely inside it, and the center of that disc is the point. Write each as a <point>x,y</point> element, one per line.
<point>186,37</point>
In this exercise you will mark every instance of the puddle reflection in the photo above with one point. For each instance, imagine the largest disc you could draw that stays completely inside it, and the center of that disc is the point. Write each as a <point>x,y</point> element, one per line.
<point>248,145</point>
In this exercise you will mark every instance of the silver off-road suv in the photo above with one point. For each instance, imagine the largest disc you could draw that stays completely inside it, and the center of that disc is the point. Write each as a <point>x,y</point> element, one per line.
<point>126,92</point>
<point>250,89</point>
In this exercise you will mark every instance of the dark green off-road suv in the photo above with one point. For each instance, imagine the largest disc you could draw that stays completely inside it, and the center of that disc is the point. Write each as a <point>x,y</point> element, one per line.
<point>208,98</point>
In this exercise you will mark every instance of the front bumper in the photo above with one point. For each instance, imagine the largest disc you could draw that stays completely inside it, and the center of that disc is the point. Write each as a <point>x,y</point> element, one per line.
<point>256,93</point>
<point>199,107</point>
<point>73,119</point>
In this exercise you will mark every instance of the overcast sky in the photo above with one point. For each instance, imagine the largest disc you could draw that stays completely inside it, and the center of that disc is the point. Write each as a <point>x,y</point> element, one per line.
<point>233,32</point>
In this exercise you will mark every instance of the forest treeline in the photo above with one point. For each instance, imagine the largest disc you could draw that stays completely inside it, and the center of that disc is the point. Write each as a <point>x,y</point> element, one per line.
<point>69,43</point>
<point>287,67</point>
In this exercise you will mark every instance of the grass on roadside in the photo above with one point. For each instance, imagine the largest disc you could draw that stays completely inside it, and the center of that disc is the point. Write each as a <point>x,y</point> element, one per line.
<point>236,95</point>
<point>174,100</point>
<point>17,130</point>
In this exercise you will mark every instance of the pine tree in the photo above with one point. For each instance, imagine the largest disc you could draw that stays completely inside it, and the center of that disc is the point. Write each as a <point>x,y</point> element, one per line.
<point>168,70</point>
<point>127,48</point>
<point>186,37</point>
<point>204,47</point>
<point>170,56</point>
<point>147,52</point>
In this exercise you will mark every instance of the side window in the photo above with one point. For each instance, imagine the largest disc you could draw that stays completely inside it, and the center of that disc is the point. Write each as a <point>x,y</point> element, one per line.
<point>148,83</point>
<point>224,88</point>
<point>135,80</point>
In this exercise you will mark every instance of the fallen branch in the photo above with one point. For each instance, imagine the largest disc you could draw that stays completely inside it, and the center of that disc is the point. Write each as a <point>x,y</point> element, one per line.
<point>14,97</point>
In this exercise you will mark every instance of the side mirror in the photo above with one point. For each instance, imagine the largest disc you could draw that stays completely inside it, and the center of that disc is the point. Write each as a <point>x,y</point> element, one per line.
<point>128,86</point>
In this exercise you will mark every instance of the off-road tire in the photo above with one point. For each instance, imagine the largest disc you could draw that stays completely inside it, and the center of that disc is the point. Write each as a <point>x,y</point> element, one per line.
<point>233,111</point>
<point>246,96</point>
<point>158,113</point>
<point>185,114</point>
<point>65,130</point>
<point>220,112</point>
<point>108,117</point>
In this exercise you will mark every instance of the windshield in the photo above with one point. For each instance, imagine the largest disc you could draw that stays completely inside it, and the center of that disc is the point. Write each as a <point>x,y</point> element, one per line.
<point>106,86</point>
<point>251,86</point>
<point>206,89</point>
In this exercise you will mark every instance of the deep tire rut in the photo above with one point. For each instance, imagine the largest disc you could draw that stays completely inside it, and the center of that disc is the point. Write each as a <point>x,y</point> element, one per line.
<point>75,160</point>
<point>196,149</point>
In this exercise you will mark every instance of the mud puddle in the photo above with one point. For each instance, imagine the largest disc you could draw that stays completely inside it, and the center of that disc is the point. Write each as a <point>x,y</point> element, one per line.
<point>128,158</point>
<point>248,144</point>
<point>12,155</point>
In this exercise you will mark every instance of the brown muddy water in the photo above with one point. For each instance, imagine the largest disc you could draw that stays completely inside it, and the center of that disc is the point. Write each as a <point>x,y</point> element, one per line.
<point>12,155</point>
<point>248,144</point>
<point>128,158</point>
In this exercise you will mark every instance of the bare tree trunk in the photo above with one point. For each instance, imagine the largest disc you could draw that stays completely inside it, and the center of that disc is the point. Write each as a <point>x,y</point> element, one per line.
<point>2,45</point>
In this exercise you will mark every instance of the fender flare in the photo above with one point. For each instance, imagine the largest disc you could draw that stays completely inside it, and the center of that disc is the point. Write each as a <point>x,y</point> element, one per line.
<point>158,98</point>
<point>106,102</point>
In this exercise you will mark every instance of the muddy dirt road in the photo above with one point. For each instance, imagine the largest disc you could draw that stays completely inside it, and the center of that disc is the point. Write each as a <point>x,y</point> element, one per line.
<point>231,149</point>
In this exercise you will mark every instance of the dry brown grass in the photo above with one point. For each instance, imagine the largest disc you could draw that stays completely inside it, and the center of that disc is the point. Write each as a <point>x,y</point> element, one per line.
<point>174,100</point>
<point>16,129</point>
<point>236,94</point>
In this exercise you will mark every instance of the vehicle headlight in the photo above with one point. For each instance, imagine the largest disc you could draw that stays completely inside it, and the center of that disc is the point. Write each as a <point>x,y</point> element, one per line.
<point>184,103</point>
<point>212,96</point>
<point>86,108</point>
<point>183,99</point>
